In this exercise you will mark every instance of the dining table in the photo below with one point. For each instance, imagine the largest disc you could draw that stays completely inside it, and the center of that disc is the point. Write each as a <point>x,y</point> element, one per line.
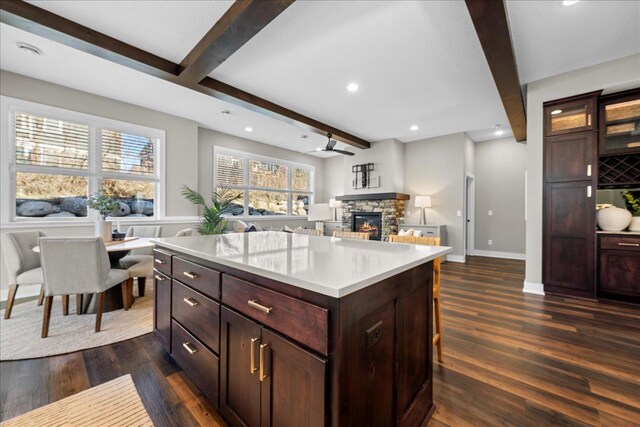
<point>116,249</point>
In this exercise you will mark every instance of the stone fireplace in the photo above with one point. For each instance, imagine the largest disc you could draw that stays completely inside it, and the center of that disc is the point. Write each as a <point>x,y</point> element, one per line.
<point>389,207</point>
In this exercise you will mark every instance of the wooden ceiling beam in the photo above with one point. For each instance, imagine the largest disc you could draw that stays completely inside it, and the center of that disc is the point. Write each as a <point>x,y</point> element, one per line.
<point>35,20</point>
<point>490,21</point>
<point>243,20</point>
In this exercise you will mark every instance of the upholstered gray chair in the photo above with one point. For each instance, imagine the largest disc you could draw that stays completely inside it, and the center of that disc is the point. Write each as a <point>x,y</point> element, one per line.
<point>78,265</point>
<point>140,261</point>
<point>185,232</point>
<point>23,264</point>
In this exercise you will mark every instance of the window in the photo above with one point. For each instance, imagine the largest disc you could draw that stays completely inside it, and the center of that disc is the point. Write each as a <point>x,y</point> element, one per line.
<point>266,186</point>
<point>59,157</point>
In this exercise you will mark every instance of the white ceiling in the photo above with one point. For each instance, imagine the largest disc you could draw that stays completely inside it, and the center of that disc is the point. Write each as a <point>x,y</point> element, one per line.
<point>416,62</point>
<point>551,39</point>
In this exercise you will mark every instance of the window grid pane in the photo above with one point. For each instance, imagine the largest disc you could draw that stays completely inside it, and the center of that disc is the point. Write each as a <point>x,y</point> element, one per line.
<point>301,179</point>
<point>51,143</point>
<point>229,170</point>
<point>127,153</point>
<point>267,175</point>
<point>54,196</point>
<point>267,203</point>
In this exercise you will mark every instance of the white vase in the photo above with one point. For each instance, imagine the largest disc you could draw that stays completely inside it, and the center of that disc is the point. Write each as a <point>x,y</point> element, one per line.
<point>613,219</point>
<point>635,224</point>
<point>103,229</point>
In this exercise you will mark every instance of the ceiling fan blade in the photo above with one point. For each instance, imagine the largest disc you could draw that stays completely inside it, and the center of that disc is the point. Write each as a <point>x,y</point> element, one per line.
<point>346,153</point>
<point>316,151</point>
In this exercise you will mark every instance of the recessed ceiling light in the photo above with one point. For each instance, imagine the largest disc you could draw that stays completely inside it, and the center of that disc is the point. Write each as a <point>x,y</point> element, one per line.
<point>499,131</point>
<point>28,48</point>
<point>414,127</point>
<point>569,2</point>
<point>353,87</point>
<point>248,129</point>
<point>225,112</point>
<point>554,112</point>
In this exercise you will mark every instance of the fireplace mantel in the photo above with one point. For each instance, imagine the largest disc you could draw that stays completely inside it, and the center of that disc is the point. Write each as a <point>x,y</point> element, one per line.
<point>375,196</point>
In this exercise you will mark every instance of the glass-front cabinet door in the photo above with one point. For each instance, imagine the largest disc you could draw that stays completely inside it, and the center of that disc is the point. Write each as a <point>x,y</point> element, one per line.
<point>620,123</point>
<point>575,114</point>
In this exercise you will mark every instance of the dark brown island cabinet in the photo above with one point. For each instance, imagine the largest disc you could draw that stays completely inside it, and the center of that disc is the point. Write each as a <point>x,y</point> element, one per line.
<point>267,353</point>
<point>591,143</point>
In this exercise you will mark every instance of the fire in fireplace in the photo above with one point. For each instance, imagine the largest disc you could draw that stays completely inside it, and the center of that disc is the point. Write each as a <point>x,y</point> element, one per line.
<point>367,222</point>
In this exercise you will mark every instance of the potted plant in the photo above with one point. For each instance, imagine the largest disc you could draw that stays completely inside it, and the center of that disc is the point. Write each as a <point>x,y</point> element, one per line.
<point>633,205</point>
<point>105,205</point>
<point>213,221</point>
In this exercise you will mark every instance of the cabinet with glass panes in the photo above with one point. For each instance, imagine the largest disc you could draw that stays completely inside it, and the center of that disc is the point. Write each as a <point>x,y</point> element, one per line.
<point>620,123</point>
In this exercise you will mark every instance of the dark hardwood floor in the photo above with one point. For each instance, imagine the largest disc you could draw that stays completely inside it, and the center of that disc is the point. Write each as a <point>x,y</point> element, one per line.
<point>510,359</point>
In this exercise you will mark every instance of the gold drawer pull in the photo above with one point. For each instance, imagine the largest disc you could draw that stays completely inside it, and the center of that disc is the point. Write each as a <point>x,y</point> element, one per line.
<point>254,344</point>
<point>256,304</point>
<point>189,347</point>
<point>190,275</point>
<point>159,261</point>
<point>264,361</point>
<point>635,245</point>
<point>159,278</point>
<point>190,301</point>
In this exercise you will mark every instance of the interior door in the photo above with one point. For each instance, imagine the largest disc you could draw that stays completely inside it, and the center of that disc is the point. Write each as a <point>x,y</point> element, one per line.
<point>239,379</point>
<point>292,381</point>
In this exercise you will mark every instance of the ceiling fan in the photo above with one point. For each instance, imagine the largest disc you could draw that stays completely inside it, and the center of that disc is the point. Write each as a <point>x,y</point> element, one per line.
<point>329,148</point>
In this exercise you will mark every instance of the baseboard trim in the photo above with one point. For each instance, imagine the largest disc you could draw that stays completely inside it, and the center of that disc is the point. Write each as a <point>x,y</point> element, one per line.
<point>495,254</point>
<point>456,258</point>
<point>533,288</point>
<point>24,291</point>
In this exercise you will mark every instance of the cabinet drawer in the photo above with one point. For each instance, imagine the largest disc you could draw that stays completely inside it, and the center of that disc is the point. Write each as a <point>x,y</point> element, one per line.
<point>620,243</point>
<point>162,262</point>
<point>198,362</point>
<point>304,322</point>
<point>201,278</point>
<point>198,314</point>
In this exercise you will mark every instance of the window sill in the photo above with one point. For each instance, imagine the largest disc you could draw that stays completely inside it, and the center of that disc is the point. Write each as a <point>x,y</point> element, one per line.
<point>90,223</point>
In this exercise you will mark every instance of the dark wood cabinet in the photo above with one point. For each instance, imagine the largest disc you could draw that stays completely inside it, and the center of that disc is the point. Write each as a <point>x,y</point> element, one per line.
<point>570,157</point>
<point>619,267</point>
<point>620,123</point>
<point>162,309</point>
<point>267,380</point>
<point>570,115</point>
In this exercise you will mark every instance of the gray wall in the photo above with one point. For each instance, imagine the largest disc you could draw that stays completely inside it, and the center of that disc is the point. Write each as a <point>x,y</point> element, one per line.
<point>500,172</point>
<point>436,167</point>
<point>613,75</point>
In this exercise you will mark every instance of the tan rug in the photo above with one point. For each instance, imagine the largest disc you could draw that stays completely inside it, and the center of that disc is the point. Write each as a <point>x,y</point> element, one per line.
<point>20,335</point>
<point>116,403</point>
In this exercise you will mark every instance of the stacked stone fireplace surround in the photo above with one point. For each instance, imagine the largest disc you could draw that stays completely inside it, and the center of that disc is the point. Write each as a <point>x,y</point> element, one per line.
<point>392,211</point>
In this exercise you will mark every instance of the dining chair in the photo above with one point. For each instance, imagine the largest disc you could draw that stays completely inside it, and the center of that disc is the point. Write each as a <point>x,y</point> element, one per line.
<point>308,231</point>
<point>77,265</point>
<point>140,261</point>
<point>23,264</point>
<point>351,235</point>
<point>185,232</point>
<point>429,241</point>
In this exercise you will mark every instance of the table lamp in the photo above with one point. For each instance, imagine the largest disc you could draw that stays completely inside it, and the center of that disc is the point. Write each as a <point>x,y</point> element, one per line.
<point>319,212</point>
<point>423,202</point>
<point>335,204</point>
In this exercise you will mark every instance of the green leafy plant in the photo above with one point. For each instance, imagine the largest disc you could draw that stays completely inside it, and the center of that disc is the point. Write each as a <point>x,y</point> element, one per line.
<point>633,203</point>
<point>102,203</point>
<point>213,221</point>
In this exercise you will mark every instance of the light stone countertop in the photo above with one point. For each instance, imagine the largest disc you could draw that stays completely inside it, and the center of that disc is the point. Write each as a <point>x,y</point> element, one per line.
<point>326,265</point>
<point>621,233</point>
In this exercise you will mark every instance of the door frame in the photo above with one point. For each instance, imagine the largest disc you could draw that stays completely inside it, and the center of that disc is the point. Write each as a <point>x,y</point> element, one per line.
<point>469,227</point>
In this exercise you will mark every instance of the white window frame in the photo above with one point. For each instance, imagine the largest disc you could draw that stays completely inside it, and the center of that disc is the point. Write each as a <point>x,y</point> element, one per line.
<point>9,106</point>
<point>247,157</point>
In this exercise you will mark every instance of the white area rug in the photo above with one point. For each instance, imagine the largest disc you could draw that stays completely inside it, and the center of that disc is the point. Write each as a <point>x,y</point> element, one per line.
<point>20,335</point>
<point>115,403</point>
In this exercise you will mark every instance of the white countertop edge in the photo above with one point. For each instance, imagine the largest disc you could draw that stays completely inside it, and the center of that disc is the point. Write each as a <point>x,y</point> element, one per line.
<point>315,287</point>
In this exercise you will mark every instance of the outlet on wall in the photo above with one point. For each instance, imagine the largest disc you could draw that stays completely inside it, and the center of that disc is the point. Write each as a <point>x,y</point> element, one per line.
<point>490,212</point>
<point>458,213</point>
<point>490,242</point>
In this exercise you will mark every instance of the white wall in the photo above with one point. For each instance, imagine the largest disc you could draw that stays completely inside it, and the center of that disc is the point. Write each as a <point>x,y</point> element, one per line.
<point>436,167</point>
<point>500,172</point>
<point>387,157</point>
<point>614,75</point>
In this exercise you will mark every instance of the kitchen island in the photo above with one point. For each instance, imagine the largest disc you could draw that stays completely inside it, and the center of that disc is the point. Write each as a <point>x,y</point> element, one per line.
<point>282,329</point>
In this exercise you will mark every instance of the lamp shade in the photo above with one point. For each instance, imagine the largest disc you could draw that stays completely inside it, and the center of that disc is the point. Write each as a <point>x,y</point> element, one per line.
<point>319,212</point>
<point>423,201</point>
<point>333,203</point>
